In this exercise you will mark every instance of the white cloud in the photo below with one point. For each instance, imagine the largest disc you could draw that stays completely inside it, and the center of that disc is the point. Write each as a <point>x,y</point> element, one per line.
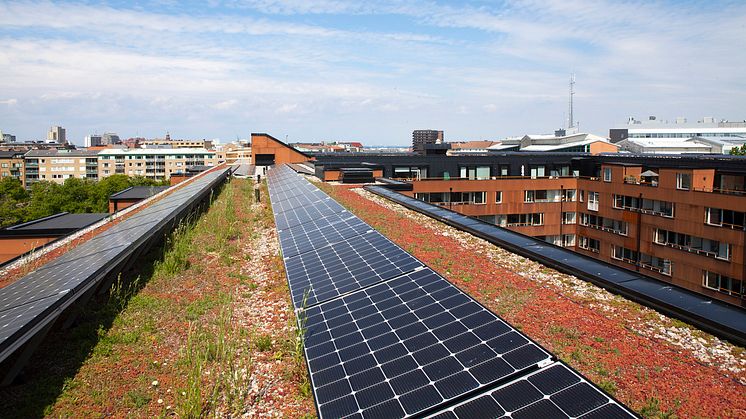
<point>59,61</point>
<point>9,102</point>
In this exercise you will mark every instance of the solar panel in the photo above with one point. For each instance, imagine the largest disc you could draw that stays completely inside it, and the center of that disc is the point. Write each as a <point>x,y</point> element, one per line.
<point>554,391</point>
<point>303,238</point>
<point>38,297</point>
<point>400,347</point>
<point>388,337</point>
<point>330,271</point>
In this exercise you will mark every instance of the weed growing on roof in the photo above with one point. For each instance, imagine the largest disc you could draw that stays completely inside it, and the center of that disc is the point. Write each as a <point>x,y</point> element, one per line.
<point>263,342</point>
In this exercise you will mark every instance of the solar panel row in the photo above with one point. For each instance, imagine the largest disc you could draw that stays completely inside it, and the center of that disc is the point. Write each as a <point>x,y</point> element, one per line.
<point>388,337</point>
<point>39,297</point>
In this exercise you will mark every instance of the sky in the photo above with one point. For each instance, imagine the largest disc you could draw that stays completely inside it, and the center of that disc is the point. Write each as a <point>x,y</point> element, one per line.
<point>370,71</point>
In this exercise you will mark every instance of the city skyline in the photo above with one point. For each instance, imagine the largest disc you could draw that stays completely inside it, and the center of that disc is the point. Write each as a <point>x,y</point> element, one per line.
<point>331,70</point>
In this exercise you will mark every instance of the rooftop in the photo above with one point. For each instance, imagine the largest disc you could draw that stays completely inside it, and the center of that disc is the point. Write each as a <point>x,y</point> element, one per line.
<point>138,192</point>
<point>58,224</point>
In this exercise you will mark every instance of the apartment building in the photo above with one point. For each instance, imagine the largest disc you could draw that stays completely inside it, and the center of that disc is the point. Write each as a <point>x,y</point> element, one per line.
<point>57,165</point>
<point>169,143</point>
<point>156,163</point>
<point>11,164</point>
<point>685,225</point>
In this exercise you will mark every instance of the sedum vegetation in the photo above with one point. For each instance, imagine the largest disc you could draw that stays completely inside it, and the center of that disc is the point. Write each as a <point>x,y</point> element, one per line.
<point>46,198</point>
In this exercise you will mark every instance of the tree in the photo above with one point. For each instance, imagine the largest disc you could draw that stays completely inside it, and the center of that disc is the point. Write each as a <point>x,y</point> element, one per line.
<point>738,151</point>
<point>13,198</point>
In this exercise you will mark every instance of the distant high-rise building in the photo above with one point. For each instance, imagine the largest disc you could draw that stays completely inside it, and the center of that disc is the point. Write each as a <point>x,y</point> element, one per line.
<point>420,137</point>
<point>7,138</point>
<point>93,140</point>
<point>109,138</point>
<point>57,134</point>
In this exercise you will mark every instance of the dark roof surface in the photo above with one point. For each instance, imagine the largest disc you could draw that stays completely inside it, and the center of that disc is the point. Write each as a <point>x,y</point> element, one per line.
<point>62,223</point>
<point>138,192</point>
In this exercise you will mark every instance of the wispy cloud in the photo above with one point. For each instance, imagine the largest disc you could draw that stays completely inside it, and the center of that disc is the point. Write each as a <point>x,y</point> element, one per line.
<point>369,70</point>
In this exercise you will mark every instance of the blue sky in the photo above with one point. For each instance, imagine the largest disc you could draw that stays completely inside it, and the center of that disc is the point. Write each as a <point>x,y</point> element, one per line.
<point>368,71</point>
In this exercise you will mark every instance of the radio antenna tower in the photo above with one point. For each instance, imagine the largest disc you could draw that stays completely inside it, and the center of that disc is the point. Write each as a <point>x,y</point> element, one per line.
<point>571,120</point>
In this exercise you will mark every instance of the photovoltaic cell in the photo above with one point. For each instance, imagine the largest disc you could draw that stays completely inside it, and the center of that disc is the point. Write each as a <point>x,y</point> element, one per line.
<point>554,391</point>
<point>327,272</point>
<point>406,345</point>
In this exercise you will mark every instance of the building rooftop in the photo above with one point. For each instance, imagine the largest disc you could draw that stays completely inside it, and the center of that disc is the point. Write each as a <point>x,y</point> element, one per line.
<point>58,224</point>
<point>138,192</point>
<point>154,151</point>
<point>62,153</point>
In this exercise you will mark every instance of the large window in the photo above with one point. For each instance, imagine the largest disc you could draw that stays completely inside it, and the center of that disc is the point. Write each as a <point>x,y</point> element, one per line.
<point>571,195</point>
<point>498,197</point>
<point>725,218</point>
<point>657,264</point>
<point>538,171</point>
<point>694,244</point>
<point>622,253</point>
<point>475,172</point>
<point>683,181</point>
<point>724,284</point>
<point>593,201</point>
<point>468,197</point>
<point>589,244</point>
<point>408,172</point>
<point>648,206</point>
<point>606,224</point>
<point>518,220</point>
<point>542,195</point>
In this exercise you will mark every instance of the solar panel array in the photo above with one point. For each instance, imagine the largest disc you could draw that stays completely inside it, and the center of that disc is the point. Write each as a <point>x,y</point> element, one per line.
<point>39,297</point>
<point>386,336</point>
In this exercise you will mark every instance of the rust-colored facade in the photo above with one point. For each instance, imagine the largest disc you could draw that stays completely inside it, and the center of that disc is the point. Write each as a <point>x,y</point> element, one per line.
<point>11,247</point>
<point>267,150</point>
<point>683,226</point>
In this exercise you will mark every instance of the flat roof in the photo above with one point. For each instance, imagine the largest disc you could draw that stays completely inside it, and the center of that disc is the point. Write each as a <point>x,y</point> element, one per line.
<point>54,225</point>
<point>138,192</point>
<point>156,151</point>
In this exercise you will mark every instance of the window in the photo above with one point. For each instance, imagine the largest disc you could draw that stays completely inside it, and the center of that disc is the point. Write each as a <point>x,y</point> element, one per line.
<point>725,218</point>
<point>693,244</point>
<point>498,197</point>
<point>475,172</point>
<point>622,253</point>
<point>714,216</point>
<point>662,266</point>
<point>683,181</point>
<point>568,240</point>
<point>589,244</point>
<point>504,170</point>
<point>570,195</point>
<point>537,171</point>
<point>593,201</point>
<point>722,283</point>
<point>528,196</point>
<point>568,218</point>
<point>607,174</point>
<point>518,220</point>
